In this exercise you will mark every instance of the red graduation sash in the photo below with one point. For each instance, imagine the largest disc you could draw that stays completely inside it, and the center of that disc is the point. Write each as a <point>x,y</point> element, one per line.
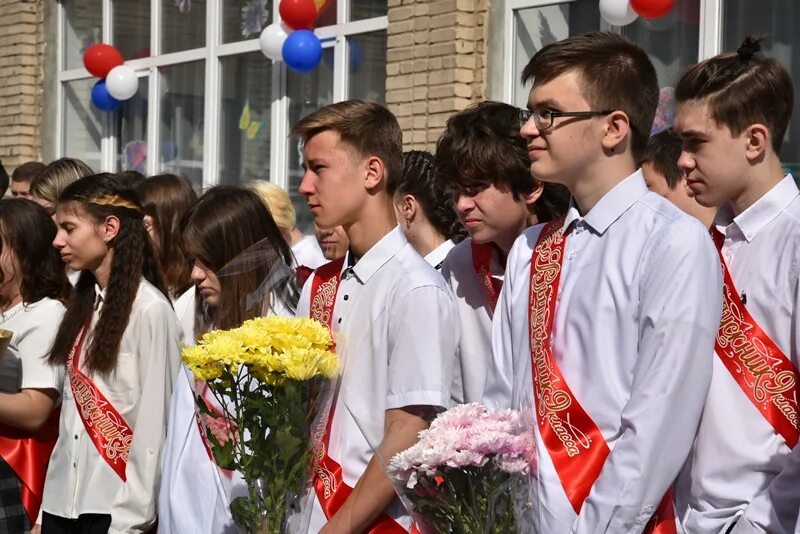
<point>106,428</point>
<point>571,437</point>
<point>28,454</point>
<point>482,262</point>
<point>329,485</point>
<point>755,361</point>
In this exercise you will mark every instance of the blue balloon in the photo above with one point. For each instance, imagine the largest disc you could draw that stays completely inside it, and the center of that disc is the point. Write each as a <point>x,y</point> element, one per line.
<point>302,51</point>
<point>102,100</point>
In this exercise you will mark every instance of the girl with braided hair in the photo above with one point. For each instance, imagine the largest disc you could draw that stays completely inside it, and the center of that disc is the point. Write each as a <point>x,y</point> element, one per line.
<point>119,347</point>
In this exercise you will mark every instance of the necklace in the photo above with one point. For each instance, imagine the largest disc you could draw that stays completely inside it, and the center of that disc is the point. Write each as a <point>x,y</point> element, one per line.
<point>5,317</point>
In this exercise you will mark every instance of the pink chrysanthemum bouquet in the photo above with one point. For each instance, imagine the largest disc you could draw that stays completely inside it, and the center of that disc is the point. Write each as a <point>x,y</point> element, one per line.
<point>469,472</point>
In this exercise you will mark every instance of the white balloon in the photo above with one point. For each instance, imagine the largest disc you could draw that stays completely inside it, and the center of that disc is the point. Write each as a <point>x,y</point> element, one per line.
<point>272,39</point>
<point>617,12</point>
<point>122,82</point>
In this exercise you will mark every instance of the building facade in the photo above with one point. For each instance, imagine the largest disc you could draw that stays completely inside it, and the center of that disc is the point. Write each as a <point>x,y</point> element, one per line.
<point>212,108</point>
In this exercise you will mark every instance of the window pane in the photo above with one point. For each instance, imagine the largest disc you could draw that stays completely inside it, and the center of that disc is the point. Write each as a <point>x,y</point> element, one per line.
<point>307,93</point>
<point>671,41</point>
<point>82,28</point>
<point>778,19</point>
<point>368,66</point>
<point>183,25</point>
<point>182,113</point>
<point>83,123</point>
<point>131,28</point>
<point>366,9</point>
<point>245,115</point>
<point>244,19</point>
<point>131,131</point>
<point>328,15</point>
<point>536,27</point>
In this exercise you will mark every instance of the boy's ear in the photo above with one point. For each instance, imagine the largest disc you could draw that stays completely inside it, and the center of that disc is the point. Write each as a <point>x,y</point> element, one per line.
<point>376,172</point>
<point>617,127</point>
<point>533,196</point>
<point>758,139</point>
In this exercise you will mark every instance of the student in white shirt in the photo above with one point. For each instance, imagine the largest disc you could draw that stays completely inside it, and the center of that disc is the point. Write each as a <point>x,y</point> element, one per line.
<point>236,247</point>
<point>119,347</point>
<point>33,288</point>
<point>622,306</point>
<point>424,211</point>
<point>392,317</point>
<point>743,474</point>
<point>481,160</point>
<point>305,248</point>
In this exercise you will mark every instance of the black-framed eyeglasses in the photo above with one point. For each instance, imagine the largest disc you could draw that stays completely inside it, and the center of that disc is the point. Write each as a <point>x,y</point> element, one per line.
<point>544,118</point>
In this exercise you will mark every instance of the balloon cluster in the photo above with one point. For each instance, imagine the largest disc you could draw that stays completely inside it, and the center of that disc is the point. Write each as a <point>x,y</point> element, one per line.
<point>293,40</point>
<point>117,83</point>
<point>623,12</point>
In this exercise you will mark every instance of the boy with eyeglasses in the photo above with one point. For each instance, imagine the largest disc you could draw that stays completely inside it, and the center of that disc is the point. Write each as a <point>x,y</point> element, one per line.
<point>606,322</point>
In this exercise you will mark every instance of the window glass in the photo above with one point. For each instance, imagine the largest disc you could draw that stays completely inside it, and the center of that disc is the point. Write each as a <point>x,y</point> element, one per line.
<point>182,113</point>
<point>83,24</point>
<point>367,9</point>
<point>244,19</point>
<point>672,41</point>
<point>245,118</point>
<point>131,131</point>
<point>131,28</point>
<point>183,25</point>
<point>536,27</point>
<point>778,19</point>
<point>367,66</point>
<point>83,123</point>
<point>307,93</point>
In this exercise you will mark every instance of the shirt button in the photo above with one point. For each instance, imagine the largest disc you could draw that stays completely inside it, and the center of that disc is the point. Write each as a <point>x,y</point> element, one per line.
<point>76,436</point>
<point>75,464</point>
<point>346,297</point>
<point>340,320</point>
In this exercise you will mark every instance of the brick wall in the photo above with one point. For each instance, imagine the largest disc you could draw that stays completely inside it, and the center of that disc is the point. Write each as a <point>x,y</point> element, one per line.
<point>435,63</point>
<point>21,78</point>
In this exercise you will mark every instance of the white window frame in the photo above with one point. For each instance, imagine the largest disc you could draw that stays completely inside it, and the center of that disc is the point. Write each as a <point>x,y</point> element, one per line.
<point>334,36</point>
<point>710,38</point>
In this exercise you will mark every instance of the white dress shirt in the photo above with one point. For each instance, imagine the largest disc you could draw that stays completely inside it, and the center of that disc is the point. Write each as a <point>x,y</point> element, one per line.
<point>24,365</point>
<point>307,253</point>
<point>633,335</point>
<point>436,256</point>
<point>395,328</point>
<point>195,493</point>
<point>79,481</point>
<point>740,469</point>
<point>475,318</point>
<point>186,310</point>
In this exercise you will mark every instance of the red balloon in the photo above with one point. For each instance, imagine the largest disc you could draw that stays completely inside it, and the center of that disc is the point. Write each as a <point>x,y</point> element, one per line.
<point>99,59</point>
<point>298,14</point>
<point>652,9</point>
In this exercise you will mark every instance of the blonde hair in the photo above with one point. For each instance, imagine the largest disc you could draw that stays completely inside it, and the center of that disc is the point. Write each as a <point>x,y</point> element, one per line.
<point>278,203</point>
<point>56,176</point>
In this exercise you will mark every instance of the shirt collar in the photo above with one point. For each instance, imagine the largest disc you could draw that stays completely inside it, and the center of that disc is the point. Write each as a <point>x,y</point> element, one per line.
<point>437,255</point>
<point>377,256</point>
<point>100,295</point>
<point>611,207</point>
<point>761,213</point>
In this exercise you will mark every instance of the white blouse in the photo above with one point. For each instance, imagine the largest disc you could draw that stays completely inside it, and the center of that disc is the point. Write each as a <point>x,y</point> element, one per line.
<point>79,481</point>
<point>307,253</point>
<point>24,363</point>
<point>195,493</point>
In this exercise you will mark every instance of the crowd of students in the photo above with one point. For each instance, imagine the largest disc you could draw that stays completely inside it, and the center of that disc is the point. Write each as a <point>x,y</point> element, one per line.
<point>524,265</point>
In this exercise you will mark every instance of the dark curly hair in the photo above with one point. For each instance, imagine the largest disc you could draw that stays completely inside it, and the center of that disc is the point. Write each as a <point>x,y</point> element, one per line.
<point>165,198</point>
<point>225,222</point>
<point>418,181</point>
<point>28,231</point>
<point>100,196</point>
<point>482,146</point>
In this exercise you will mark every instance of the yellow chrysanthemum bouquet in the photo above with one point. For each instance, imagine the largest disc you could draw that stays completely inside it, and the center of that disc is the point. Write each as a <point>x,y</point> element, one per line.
<point>266,375</point>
